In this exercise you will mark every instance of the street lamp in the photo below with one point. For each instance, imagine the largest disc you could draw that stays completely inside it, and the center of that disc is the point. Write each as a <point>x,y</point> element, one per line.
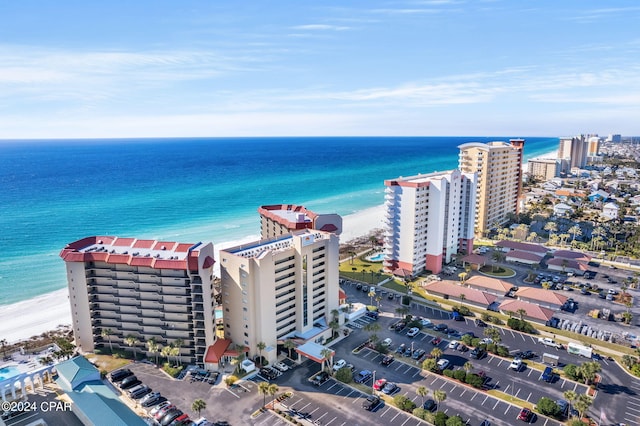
<point>373,382</point>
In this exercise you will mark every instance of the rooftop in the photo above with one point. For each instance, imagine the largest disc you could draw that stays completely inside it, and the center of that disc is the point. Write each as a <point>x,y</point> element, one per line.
<point>453,289</point>
<point>260,248</point>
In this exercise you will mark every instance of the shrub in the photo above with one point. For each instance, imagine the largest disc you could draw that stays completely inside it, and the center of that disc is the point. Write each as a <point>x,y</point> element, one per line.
<point>521,325</point>
<point>548,407</point>
<point>172,371</point>
<point>230,380</point>
<point>448,373</point>
<point>495,320</point>
<point>572,372</point>
<point>502,350</point>
<point>455,421</point>
<point>467,340</point>
<point>635,370</point>
<point>344,375</point>
<point>474,380</point>
<point>382,348</point>
<point>459,375</point>
<point>430,364</point>
<point>440,419</point>
<point>404,403</point>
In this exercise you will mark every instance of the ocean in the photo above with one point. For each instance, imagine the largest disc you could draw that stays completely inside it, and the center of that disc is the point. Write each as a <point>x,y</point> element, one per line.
<point>188,189</point>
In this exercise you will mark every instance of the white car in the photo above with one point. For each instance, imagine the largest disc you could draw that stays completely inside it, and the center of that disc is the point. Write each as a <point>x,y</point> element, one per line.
<point>413,332</point>
<point>443,364</point>
<point>339,364</point>
<point>425,322</point>
<point>453,344</point>
<point>387,342</point>
<point>486,341</point>
<point>516,364</point>
<point>281,366</point>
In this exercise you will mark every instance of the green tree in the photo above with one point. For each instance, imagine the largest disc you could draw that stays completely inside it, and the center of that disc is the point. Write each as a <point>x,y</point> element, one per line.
<point>198,405</point>
<point>153,347</point>
<point>334,325</point>
<point>402,311</point>
<point>288,345</point>
<point>372,294</point>
<point>261,346</point>
<point>570,396</point>
<point>429,364</point>
<point>468,367</point>
<point>344,375</point>
<point>436,353</point>
<point>589,370</point>
<point>521,313</point>
<point>498,257</point>
<point>326,355</point>
<point>272,391</point>
<point>455,421</point>
<point>131,341</point>
<point>582,404</point>
<point>422,391</point>
<point>492,333</point>
<point>439,396</point>
<point>177,344</point>
<point>166,352</point>
<point>263,389</point>
<point>105,332</point>
<point>548,407</point>
<point>372,328</point>
<point>575,230</point>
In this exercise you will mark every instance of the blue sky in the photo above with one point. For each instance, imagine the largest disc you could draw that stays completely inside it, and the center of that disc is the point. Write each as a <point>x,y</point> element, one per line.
<point>140,68</point>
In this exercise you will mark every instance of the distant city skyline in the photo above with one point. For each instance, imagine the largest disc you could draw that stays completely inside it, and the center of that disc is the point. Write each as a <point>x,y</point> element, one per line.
<point>331,68</point>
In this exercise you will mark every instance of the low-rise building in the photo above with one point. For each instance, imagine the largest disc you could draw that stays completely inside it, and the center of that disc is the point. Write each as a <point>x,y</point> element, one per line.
<point>489,285</point>
<point>546,298</point>
<point>455,291</point>
<point>532,311</point>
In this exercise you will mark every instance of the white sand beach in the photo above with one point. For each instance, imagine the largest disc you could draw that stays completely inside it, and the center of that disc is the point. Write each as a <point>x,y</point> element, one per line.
<point>20,321</point>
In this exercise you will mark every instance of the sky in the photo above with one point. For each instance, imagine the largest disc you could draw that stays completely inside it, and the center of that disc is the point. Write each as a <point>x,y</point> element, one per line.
<point>161,68</point>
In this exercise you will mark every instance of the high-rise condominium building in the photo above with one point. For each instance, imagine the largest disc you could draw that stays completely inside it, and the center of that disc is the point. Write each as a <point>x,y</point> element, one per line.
<point>429,218</point>
<point>543,168</point>
<point>280,219</point>
<point>278,289</point>
<point>498,166</point>
<point>574,152</point>
<point>125,292</point>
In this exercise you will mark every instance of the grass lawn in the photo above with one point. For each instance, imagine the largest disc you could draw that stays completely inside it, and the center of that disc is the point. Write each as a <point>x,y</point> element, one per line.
<point>362,270</point>
<point>107,362</point>
<point>501,271</point>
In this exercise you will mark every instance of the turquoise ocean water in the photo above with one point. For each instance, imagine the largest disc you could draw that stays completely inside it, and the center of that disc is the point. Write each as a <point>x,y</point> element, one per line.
<point>55,192</point>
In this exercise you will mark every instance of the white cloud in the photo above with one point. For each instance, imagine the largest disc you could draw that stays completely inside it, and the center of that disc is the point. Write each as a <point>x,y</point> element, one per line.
<point>321,27</point>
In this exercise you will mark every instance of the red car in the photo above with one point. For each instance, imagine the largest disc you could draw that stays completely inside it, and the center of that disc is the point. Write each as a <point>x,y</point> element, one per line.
<point>379,384</point>
<point>436,341</point>
<point>525,415</point>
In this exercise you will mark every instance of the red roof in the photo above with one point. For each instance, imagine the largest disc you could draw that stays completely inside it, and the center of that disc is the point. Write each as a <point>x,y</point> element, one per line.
<point>525,255</point>
<point>216,351</point>
<point>453,289</point>
<point>475,259</point>
<point>489,283</point>
<point>533,310</point>
<point>208,262</point>
<point>517,245</point>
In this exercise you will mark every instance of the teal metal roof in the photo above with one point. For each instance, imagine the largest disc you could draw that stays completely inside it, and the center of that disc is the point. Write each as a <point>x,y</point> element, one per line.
<point>74,372</point>
<point>104,411</point>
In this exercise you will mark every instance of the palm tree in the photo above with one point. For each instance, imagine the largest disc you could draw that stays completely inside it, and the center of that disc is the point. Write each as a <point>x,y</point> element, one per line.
<point>131,341</point>
<point>199,405</point>
<point>288,345</point>
<point>153,347</point>
<point>439,396</point>
<point>422,391</point>
<point>575,230</point>
<point>402,311</point>
<point>175,352</point>
<point>326,355</point>
<point>462,298</point>
<point>263,389</point>
<point>352,255</point>
<point>550,227</point>
<point>178,344</point>
<point>492,333</point>
<point>588,370</point>
<point>582,404</point>
<point>570,396</point>
<point>372,328</point>
<point>378,300</point>
<point>261,346</point>
<point>468,367</point>
<point>463,276</point>
<point>105,332</point>
<point>436,353</point>
<point>372,294</point>
<point>334,325</point>
<point>272,391</point>
<point>374,241</point>
<point>166,353</point>
<point>497,256</point>
<point>521,313</point>
<point>3,342</point>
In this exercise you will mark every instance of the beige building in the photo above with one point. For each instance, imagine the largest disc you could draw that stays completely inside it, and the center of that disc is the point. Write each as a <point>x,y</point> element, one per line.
<point>141,289</point>
<point>281,288</point>
<point>542,168</point>
<point>280,219</point>
<point>498,166</point>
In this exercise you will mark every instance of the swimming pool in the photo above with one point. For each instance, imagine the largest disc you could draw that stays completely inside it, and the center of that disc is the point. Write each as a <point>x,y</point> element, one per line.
<point>379,257</point>
<point>8,372</point>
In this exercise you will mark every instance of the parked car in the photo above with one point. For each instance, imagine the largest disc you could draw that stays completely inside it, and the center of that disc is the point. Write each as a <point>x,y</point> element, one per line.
<point>387,342</point>
<point>462,348</point>
<point>151,399</point>
<point>436,341</point>
<point>413,331</point>
<point>400,349</point>
<point>526,355</point>
<point>516,364</point>
<point>477,353</point>
<point>339,364</point>
<point>547,375</point>
<point>139,393</point>
<point>379,384</point>
<point>390,388</point>
<point>440,327</point>
<point>320,378</point>
<point>129,382</point>
<point>429,405</point>
<point>387,360</point>
<point>408,351</point>
<point>170,416</point>
<point>120,375</point>
<point>443,364</point>
<point>281,366</point>
<point>363,376</point>
<point>453,344</point>
<point>426,323</point>
<point>525,415</point>
<point>418,353</point>
<point>480,323</point>
<point>371,402</point>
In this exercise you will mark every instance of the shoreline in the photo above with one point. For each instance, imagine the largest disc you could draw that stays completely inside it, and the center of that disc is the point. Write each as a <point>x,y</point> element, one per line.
<point>21,320</point>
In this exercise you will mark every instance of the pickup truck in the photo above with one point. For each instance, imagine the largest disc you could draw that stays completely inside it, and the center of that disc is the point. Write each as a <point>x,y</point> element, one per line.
<point>547,341</point>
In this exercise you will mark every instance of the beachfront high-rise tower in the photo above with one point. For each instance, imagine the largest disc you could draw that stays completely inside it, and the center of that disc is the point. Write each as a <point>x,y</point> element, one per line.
<point>281,219</point>
<point>429,218</point>
<point>125,292</point>
<point>498,166</point>
<point>281,288</point>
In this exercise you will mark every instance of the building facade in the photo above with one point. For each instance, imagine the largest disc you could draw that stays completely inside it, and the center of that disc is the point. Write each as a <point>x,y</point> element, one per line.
<point>280,219</point>
<point>125,291</point>
<point>281,288</point>
<point>429,218</point>
<point>542,168</point>
<point>498,166</point>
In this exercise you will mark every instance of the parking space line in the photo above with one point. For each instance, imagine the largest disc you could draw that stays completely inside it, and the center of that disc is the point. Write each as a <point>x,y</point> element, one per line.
<point>316,409</point>
<point>354,401</point>
<point>321,416</point>
<point>330,421</point>
<point>394,417</point>
<point>347,395</point>
<point>329,388</point>
<point>485,400</point>
<point>529,397</point>
<point>408,418</point>
<point>505,411</point>
<point>305,406</point>
<point>497,402</point>
<point>474,396</point>
<point>463,391</point>
<point>399,366</point>
<point>407,370</point>
<point>237,396</point>
<point>417,372</point>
